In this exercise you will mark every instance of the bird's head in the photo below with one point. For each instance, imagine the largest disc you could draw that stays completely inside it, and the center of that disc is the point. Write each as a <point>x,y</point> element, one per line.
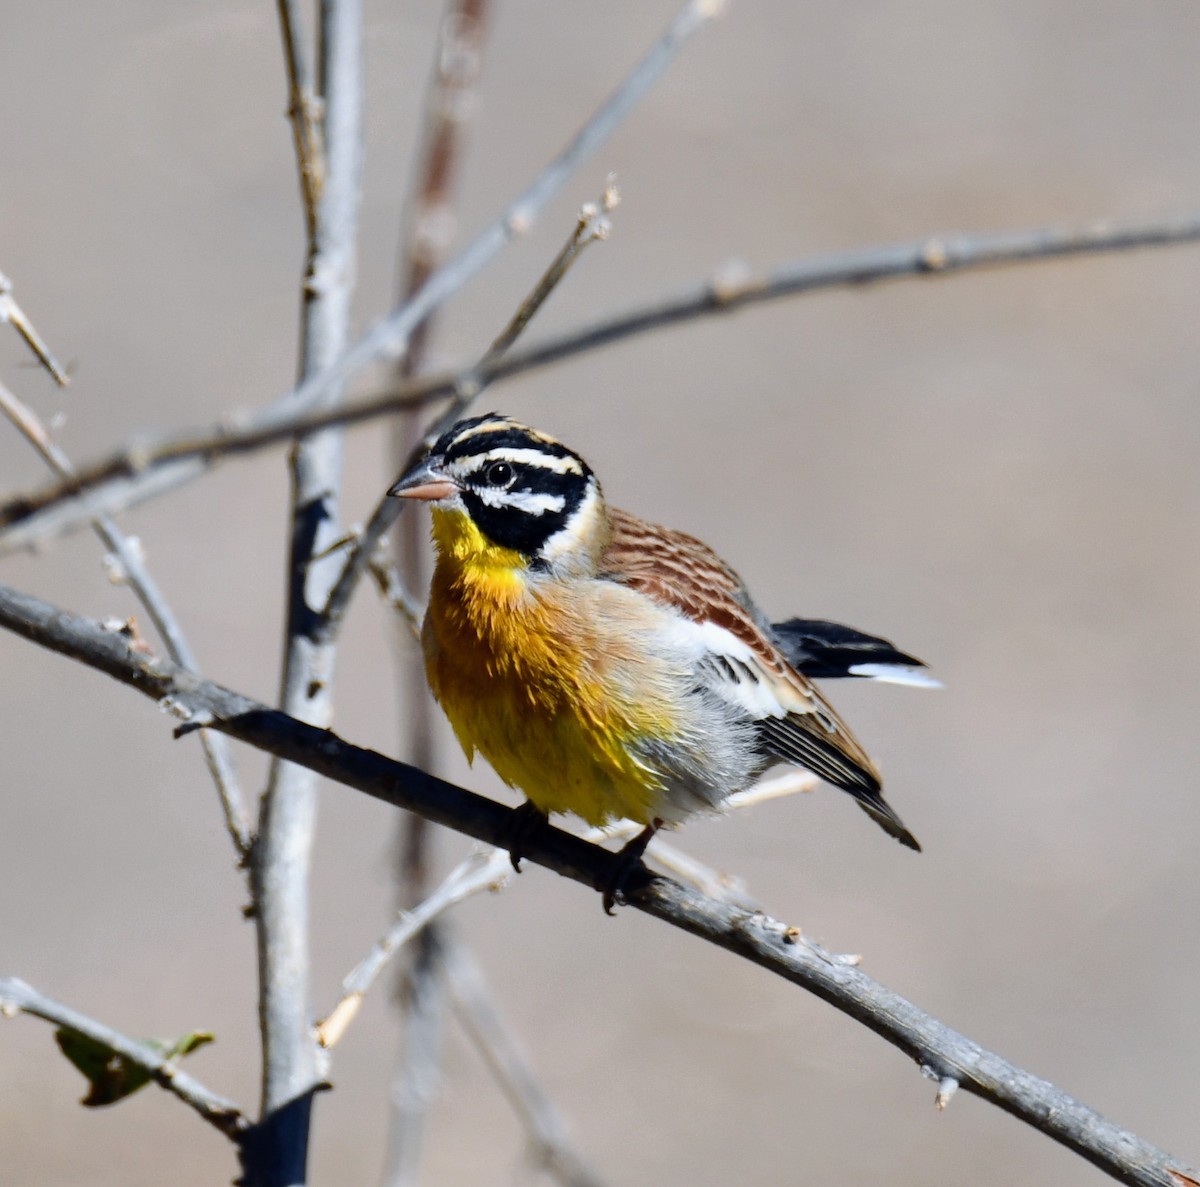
<point>495,484</point>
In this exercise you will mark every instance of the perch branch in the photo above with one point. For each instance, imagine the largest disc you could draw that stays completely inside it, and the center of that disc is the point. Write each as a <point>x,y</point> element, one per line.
<point>135,473</point>
<point>387,339</point>
<point>749,934</point>
<point>16,996</point>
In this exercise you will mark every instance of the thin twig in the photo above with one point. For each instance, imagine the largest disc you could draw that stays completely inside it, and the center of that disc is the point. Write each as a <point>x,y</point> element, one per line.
<point>134,572</point>
<point>11,312</point>
<point>16,995</point>
<point>305,111</point>
<point>591,226</point>
<point>135,473</point>
<point>397,594</point>
<point>481,869</point>
<point>387,339</point>
<point>548,1135</point>
<point>749,934</point>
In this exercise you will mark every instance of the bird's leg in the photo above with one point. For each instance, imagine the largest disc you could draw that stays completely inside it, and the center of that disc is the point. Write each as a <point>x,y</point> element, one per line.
<point>625,861</point>
<point>523,823</point>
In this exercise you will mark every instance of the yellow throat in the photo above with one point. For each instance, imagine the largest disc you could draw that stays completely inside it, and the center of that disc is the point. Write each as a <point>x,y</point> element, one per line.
<point>511,660</point>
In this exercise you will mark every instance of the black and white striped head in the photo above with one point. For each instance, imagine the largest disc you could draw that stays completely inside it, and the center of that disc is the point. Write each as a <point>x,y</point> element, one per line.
<point>524,491</point>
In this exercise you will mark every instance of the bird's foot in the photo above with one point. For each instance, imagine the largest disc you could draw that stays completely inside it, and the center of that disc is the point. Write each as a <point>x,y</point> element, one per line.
<point>524,822</point>
<point>626,862</point>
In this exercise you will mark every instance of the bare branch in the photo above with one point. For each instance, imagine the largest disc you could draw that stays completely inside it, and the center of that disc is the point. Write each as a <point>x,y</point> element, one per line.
<point>397,595</point>
<point>288,817</point>
<point>502,1053</point>
<point>305,111</point>
<point>387,339</point>
<point>135,573</point>
<point>750,934</point>
<point>11,312</point>
<point>418,1075</point>
<point>482,869</point>
<point>16,996</point>
<point>135,473</point>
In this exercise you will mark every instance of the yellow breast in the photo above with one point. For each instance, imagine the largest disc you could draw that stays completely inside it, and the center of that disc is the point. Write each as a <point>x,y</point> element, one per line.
<point>536,676</point>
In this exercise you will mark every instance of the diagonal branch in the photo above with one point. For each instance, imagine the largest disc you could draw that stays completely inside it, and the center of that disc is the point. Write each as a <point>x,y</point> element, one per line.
<point>949,1056</point>
<point>17,996</point>
<point>388,339</point>
<point>551,1144</point>
<point>136,473</point>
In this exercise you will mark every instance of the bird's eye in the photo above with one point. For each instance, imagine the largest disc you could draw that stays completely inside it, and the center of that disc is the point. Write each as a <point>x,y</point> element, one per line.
<point>499,474</point>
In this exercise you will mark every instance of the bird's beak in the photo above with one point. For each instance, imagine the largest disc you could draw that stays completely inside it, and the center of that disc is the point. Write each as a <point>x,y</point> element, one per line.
<point>426,480</point>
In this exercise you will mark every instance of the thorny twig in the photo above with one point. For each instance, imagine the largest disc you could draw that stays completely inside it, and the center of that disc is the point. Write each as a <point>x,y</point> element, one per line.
<point>12,313</point>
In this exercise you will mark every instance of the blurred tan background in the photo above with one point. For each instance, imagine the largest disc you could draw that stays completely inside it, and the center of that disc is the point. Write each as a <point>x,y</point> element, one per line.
<point>997,471</point>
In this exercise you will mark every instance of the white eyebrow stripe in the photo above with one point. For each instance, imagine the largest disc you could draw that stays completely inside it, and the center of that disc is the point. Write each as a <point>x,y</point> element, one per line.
<point>488,426</point>
<point>522,500</point>
<point>531,457</point>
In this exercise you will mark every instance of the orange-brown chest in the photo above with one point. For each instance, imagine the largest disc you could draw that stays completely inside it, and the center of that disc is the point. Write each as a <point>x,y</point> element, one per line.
<point>524,670</point>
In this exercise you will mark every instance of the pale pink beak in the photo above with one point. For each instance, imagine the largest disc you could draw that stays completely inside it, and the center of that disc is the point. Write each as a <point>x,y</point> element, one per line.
<point>425,481</point>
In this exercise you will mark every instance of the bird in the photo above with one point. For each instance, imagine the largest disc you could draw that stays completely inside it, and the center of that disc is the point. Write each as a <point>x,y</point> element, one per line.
<point>611,668</point>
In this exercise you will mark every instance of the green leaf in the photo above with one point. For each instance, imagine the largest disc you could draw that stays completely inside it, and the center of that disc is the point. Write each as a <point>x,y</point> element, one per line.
<point>111,1077</point>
